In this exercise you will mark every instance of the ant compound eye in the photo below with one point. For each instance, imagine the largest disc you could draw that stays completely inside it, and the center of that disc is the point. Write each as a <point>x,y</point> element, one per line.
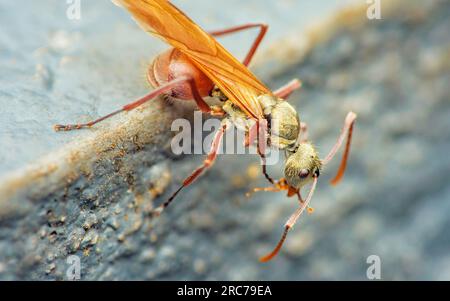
<point>303,173</point>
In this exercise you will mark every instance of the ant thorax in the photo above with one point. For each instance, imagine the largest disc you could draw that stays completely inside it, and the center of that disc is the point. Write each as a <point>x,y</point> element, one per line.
<point>283,121</point>
<point>283,124</point>
<point>236,116</point>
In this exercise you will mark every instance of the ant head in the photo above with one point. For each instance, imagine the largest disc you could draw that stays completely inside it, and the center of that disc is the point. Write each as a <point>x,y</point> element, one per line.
<point>302,166</point>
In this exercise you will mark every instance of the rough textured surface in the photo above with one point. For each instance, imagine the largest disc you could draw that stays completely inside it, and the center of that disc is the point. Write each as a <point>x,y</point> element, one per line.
<point>393,202</point>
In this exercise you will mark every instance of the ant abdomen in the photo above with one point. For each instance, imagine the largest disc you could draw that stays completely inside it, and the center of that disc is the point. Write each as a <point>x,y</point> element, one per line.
<point>173,64</point>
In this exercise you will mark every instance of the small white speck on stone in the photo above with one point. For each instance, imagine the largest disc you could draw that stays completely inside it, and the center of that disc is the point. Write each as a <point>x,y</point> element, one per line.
<point>91,220</point>
<point>2,267</point>
<point>167,252</point>
<point>50,268</point>
<point>90,239</point>
<point>148,255</point>
<point>75,238</point>
<point>199,266</point>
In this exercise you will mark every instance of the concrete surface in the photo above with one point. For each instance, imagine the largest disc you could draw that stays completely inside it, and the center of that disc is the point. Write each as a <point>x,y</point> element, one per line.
<point>93,195</point>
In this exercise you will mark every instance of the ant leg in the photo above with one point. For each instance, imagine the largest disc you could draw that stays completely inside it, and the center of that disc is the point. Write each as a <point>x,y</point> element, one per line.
<point>290,223</point>
<point>347,130</point>
<point>208,162</point>
<point>203,106</point>
<point>285,91</point>
<point>262,32</point>
<point>280,185</point>
<point>251,135</point>
<point>304,133</point>
<point>261,129</point>
<point>265,189</point>
<point>258,132</point>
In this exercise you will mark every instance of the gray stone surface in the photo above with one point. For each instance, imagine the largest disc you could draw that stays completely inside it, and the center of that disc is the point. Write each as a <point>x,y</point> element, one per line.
<point>394,201</point>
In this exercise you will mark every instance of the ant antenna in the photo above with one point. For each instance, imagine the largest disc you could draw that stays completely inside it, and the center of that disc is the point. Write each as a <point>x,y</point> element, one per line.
<point>291,222</point>
<point>347,130</point>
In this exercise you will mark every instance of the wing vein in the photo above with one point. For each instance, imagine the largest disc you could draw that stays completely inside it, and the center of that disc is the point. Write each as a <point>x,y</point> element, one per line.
<point>164,20</point>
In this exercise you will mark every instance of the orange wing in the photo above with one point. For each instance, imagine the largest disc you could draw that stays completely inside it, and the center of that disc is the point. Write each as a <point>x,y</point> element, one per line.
<point>161,18</point>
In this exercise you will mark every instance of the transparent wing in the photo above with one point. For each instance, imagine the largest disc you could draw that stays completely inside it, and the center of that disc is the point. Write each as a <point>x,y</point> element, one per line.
<point>161,18</point>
